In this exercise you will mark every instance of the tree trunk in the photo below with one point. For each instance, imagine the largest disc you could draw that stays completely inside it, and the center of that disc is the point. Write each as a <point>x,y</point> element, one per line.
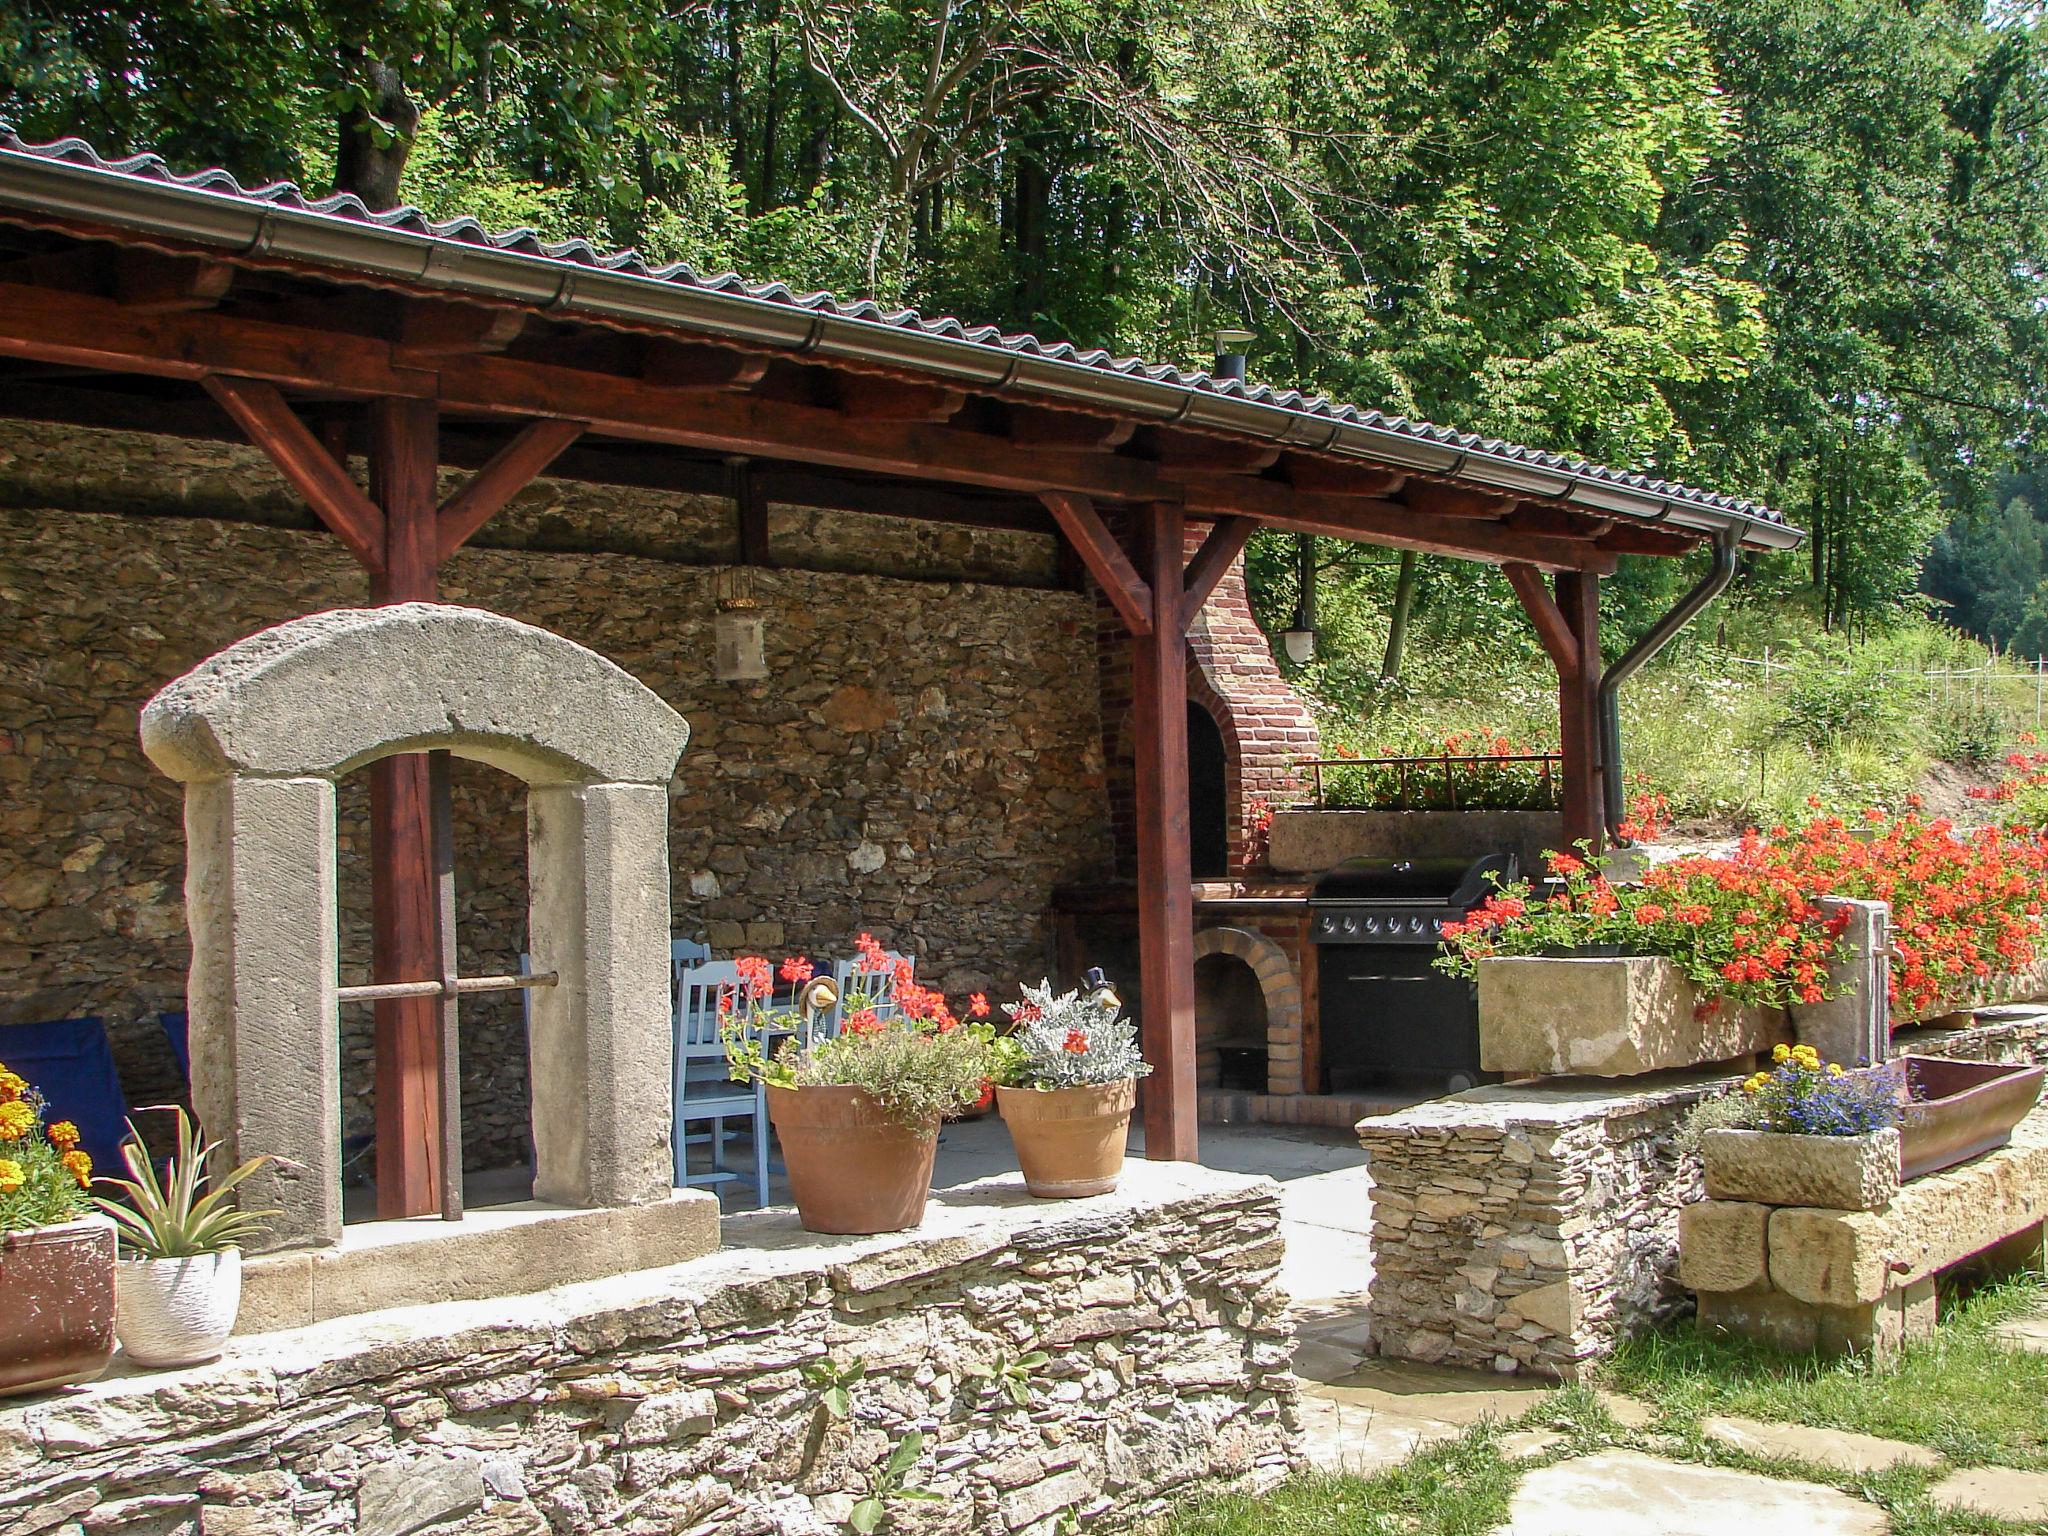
<point>1397,621</point>
<point>361,165</point>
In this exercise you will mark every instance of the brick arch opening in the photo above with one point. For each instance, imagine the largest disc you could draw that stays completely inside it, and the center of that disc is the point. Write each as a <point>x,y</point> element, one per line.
<point>1248,1013</point>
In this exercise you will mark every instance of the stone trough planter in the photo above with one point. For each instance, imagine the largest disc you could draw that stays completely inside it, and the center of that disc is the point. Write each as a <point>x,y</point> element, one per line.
<point>1609,1016</point>
<point>1836,1173</point>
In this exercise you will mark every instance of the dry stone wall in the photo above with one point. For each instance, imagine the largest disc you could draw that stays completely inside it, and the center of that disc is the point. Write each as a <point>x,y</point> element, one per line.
<point>924,761</point>
<point>1532,1227</point>
<point>676,1400</point>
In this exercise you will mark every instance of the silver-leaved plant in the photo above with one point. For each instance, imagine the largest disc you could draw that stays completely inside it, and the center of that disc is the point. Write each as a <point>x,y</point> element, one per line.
<point>1067,1041</point>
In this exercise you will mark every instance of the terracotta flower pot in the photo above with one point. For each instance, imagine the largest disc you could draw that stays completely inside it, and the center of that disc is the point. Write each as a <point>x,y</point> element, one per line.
<point>178,1311</point>
<point>851,1168</point>
<point>56,1304</point>
<point>1070,1141</point>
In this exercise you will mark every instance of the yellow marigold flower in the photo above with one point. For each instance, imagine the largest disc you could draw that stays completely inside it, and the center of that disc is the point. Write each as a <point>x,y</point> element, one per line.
<point>81,1167</point>
<point>1781,1053</point>
<point>12,1175</point>
<point>16,1121</point>
<point>11,1086</point>
<point>63,1135</point>
<point>1835,1069</point>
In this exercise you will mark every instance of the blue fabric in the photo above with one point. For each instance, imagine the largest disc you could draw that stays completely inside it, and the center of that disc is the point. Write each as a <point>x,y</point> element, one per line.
<point>70,1064</point>
<point>177,1031</point>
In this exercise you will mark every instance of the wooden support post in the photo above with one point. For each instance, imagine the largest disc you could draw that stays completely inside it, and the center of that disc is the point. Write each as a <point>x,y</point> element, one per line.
<point>1166,909</point>
<point>1578,599</point>
<point>405,944</point>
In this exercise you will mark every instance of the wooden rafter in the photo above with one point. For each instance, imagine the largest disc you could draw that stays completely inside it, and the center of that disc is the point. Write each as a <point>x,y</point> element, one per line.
<point>429,329</point>
<point>1128,592</point>
<point>1191,450</point>
<point>865,398</point>
<point>1544,613</point>
<point>271,423</point>
<point>678,365</point>
<point>1224,543</point>
<point>1329,478</point>
<point>1452,501</point>
<point>148,282</point>
<point>508,472</point>
<point>1036,426</point>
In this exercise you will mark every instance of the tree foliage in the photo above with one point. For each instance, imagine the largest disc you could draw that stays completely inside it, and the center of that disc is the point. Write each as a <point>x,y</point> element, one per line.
<point>1790,248</point>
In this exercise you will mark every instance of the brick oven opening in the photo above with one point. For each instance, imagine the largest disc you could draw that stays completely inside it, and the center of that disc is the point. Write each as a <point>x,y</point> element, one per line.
<point>1230,1025</point>
<point>1208,796</point>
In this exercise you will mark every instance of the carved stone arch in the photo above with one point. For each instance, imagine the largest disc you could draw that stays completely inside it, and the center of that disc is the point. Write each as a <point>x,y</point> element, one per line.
<point>259,733</point>
<point>1280,990</point>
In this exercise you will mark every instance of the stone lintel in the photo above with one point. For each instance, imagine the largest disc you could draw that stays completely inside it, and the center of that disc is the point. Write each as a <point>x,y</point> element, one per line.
<point>505,1250</point>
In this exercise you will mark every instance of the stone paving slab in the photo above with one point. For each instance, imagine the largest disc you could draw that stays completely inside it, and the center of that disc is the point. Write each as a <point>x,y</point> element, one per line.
<point>1625,1493</point>
<point>1999,1491</point>
<point>1838,1448</point>
<point>2030,1333</point>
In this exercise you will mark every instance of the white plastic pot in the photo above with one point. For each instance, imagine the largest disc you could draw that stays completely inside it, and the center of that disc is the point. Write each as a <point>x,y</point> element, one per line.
<point>170,1312</point>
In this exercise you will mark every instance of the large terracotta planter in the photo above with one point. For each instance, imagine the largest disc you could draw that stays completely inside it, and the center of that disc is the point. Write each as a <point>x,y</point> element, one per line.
<point>851,1168</point>
<point>56,1304</point>
<point>178,1311</point>
<point>1070,1141</point>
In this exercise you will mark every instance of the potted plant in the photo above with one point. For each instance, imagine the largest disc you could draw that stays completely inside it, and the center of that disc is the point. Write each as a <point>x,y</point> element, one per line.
<point>56,1256</point>
<point>1066,1078</point>
<point>179,1283</point>
<point>858,1112</point>
<point>1804,1133</point>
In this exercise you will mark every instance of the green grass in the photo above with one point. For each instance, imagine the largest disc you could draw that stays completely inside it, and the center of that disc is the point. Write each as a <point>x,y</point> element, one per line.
<point>1962,1393</point>
<point>1458,1488</point>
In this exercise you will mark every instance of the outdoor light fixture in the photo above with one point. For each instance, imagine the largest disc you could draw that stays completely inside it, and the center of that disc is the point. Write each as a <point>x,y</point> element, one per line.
<point>1299,638</point>
<point>739,632</point>
<point>1300,644</point>
<point>1230,352</point>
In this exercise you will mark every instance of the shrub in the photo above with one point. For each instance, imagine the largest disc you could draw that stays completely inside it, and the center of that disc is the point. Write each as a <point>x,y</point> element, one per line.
<point>1067,1041</point>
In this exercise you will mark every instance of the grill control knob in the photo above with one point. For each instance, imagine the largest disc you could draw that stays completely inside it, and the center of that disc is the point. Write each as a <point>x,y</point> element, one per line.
<point>1351,925</point>
<point>1372,925</point>
<point>1415,925</point>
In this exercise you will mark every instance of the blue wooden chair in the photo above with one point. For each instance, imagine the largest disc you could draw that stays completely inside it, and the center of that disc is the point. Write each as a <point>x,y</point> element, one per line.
<point>70,1063</point>
<point>704,1089</point>
<point>847,974</point>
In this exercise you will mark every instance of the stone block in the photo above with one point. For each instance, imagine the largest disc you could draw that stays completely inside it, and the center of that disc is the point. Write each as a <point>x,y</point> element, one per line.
<point>503,1250</point>
<point>1721,1246</point>
<point>1846,1258</point>
<point>1608,1017</point>
<point>1854,1026</point>
<point>1840,1173</point>
<point>1798,1327</point>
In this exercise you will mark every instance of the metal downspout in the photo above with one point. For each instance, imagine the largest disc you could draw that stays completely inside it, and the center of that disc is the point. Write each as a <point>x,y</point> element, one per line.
<point>1727,556</point>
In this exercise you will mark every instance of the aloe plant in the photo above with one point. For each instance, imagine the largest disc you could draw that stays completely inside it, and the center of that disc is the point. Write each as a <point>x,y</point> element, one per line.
<point>171,1218</point>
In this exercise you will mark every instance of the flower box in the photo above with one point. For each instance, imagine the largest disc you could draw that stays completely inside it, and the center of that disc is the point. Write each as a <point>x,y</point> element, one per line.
<point>1961,1110</point>
<point>1836,1173</point>
<point>1609,1016</point>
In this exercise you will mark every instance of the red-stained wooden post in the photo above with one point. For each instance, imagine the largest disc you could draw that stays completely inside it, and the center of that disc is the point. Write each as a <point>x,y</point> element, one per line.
<point>1166,909</point>
<point>404,899</point>
<point>1578,598</point>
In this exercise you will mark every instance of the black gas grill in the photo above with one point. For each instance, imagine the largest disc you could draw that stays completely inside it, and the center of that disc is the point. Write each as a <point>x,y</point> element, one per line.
<point>1390,1019</point>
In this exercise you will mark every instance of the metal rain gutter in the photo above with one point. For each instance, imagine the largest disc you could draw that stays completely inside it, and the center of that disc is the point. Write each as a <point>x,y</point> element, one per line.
<point>1727,556</point>
<point>191,214</point>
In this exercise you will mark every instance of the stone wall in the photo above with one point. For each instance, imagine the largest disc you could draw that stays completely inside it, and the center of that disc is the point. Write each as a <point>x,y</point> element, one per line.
<point>1532,1227</point>
<point>675,1401</point>
<point>924,761</point>
<point>1529,1228</point>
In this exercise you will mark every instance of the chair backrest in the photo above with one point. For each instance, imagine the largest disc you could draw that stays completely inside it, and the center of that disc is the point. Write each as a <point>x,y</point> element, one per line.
<point>848,974</point>
<point>696,1007</point>
<point>687,951</point>
<point>71,1064</point>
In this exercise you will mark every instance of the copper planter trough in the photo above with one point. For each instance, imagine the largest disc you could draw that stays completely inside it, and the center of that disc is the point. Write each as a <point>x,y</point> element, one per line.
<point>1960,1110</point>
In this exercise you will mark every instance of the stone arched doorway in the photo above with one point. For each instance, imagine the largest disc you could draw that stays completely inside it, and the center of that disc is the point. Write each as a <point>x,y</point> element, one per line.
<point>259,733</point>
<point>1247,1013</point>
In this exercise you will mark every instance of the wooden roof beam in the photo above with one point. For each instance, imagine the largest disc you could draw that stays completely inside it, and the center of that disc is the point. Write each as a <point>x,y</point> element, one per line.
<point>336,500</point>
<point>1341,477</point>
<point>1552,628</point>
<point>865,397</point>
<point>1128,592</point>
<point>1635,539</point>
<point>150,283</point>
<point>1038,427</point>
<point>1451,501</point>
<point>1557,521</point>
<point>1225,542</point>
<point>508,472</point>
<point>1191,450</point>
<point>429,329</point>
<point>679,365</point>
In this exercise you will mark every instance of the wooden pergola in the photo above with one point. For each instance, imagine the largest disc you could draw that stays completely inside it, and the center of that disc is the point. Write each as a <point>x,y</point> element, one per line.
<point>134,298</point>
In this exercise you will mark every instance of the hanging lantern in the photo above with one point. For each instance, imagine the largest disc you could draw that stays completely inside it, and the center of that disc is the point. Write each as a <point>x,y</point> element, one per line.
<point>1299,643</point>
<point>739,631</point>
